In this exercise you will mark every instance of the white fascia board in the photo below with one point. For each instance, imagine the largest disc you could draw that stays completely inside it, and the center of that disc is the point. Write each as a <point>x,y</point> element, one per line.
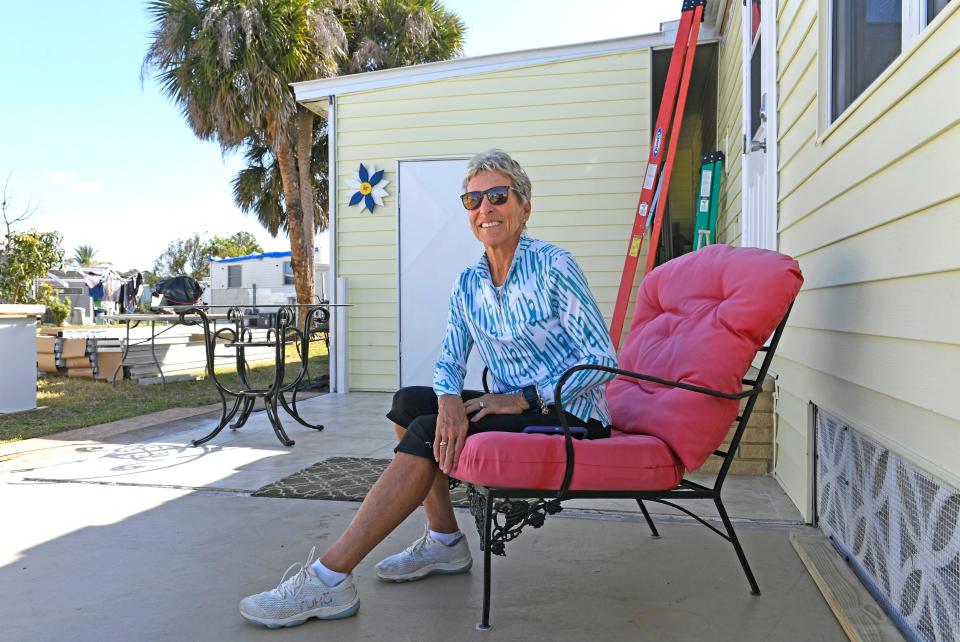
<point>314,94</point>
<point>706,35</point>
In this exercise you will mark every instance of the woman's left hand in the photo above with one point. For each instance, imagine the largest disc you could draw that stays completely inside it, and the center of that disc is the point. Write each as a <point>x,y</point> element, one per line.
<point>489,404</point>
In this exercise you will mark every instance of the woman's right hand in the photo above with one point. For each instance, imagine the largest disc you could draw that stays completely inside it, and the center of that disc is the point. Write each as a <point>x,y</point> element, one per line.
<point>451,432</point>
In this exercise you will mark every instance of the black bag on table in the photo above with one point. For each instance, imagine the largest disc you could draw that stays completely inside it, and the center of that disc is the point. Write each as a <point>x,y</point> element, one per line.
<point>180,290</point>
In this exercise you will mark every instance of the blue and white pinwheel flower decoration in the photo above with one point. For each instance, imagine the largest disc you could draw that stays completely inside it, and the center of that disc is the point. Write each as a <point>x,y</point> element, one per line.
<point>369,188</point>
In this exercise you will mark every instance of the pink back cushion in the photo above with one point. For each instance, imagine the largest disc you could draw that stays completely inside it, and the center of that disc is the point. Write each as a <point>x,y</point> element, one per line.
<point>699,319</point>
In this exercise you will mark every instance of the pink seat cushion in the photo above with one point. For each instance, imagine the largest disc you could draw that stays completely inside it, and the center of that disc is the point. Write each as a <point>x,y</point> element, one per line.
<point>699,319</point>
<point>517,460</point>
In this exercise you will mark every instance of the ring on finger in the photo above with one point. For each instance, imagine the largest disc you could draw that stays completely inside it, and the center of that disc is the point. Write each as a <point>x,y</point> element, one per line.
<point>482,405</point>
<point>442,444</point>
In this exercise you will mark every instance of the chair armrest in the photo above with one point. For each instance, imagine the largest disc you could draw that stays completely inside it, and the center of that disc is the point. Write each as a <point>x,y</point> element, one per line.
<point>645,377</point>
<point>568,438</point>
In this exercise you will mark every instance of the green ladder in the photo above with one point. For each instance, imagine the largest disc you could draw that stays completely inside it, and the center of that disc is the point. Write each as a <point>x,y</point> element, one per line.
<point>711,173</point>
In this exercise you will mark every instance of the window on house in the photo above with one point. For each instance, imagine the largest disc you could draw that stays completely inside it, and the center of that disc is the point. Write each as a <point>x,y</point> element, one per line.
<point>233,276</point>
<point>867,36</point>
<point>288,273</point>
<point>934,7</point>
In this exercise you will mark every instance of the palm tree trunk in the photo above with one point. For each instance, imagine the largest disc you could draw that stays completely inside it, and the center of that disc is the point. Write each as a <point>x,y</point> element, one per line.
<point>302,267</point>
<point>304,151</point>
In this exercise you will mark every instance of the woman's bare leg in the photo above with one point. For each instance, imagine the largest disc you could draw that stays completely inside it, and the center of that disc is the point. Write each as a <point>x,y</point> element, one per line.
<point>400,489</point>
<point>437,504</point>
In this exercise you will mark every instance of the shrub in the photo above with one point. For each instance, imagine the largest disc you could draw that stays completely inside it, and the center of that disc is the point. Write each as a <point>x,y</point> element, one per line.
<point>58,308</point>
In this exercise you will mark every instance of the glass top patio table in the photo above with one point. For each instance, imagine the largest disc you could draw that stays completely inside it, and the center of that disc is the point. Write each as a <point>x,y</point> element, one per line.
<point>293,323</point>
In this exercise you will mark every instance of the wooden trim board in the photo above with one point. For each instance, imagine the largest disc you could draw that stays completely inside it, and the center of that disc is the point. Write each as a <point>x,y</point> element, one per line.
<point>857,611</point>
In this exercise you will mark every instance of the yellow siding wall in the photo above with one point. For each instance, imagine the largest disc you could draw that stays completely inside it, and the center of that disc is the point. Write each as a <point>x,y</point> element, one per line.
<point>579,127</point>
<point>871,209</point>
<point>730,122</point>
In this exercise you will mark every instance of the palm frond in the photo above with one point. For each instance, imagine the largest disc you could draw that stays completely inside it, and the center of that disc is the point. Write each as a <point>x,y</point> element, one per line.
<point>228,64</point>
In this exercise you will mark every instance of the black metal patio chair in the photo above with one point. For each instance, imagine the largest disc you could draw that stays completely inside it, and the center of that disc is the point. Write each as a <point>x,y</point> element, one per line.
<point>502,508</point>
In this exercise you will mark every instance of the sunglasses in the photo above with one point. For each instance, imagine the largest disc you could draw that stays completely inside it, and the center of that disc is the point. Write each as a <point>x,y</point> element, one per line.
<point>495,196</point>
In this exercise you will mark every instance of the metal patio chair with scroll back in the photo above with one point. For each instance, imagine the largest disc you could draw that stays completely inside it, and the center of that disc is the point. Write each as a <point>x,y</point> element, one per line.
<point>700,321</point>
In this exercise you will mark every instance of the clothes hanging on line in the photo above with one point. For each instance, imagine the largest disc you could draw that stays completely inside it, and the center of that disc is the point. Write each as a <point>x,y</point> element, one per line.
<point>129,295</point>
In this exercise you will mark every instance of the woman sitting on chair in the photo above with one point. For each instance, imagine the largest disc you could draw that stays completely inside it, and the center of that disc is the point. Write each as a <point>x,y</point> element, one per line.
<point>527,308</point>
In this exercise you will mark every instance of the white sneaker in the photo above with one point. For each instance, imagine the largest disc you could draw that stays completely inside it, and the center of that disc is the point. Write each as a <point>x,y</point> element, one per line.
<point>426,556</point>
<point>299,598</point>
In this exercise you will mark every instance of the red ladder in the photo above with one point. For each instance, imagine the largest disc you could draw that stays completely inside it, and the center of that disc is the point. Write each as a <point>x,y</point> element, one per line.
<point>656,183</point>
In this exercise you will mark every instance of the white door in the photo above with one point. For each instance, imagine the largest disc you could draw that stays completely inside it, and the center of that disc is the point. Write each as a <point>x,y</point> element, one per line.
<point>759,217</point>
<point>435,245</point>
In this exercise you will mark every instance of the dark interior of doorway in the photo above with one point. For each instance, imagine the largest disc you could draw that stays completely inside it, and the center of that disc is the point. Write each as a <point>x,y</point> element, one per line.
<point>698,136</point>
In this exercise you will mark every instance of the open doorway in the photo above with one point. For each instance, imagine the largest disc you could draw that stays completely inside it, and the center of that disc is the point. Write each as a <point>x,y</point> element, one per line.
<point>698,136</point>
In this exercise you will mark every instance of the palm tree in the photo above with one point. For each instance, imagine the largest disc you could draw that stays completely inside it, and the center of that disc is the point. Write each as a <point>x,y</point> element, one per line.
<point>396,33</point>
<point>83,255</point>
<point>258,188</point>
<point>228,65</point>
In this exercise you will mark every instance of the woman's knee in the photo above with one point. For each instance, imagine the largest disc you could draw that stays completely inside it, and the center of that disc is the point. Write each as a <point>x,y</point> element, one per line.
<point>411,402</point>
<point>418,437</point>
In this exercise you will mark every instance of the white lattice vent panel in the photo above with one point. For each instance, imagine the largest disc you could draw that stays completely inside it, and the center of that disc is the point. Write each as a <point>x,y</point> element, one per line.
<point>897,524</point>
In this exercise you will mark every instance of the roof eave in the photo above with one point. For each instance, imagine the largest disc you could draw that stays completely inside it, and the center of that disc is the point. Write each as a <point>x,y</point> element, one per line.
<point>314,94</point>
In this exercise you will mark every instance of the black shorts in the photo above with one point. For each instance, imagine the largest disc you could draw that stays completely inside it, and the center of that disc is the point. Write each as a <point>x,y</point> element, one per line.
<point>416,407</point>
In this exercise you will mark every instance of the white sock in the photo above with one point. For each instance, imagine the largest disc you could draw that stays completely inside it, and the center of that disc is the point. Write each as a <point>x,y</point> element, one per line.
<point>447,539</point>
<point>328,577</point>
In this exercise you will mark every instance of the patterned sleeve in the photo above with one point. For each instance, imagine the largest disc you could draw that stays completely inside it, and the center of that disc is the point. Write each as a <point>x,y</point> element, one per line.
<point>452,365</point>
<point>580,317</point>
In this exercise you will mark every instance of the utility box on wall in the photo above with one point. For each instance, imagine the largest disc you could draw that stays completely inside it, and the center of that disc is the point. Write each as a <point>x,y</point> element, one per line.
<point>18,354</point>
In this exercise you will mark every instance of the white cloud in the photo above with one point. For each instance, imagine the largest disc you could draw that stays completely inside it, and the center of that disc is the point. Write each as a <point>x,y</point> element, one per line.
<point>72,182</point>
<point>85,186</point>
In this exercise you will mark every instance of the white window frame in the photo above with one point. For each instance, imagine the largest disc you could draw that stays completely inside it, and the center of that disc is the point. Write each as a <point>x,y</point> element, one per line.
<point>913,15</point>
<point>762,231</point>
<point>283,270</point>
<point>915,20</point>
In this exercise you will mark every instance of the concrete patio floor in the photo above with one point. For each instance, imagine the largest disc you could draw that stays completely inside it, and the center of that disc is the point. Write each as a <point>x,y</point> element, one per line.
<point>138,536</point>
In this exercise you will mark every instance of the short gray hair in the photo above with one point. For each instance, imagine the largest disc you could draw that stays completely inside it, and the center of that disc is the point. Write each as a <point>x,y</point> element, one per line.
<point>497,160</point>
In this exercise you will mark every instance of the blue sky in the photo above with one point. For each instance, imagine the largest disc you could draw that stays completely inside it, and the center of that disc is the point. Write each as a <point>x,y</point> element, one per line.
<point>111,161</point>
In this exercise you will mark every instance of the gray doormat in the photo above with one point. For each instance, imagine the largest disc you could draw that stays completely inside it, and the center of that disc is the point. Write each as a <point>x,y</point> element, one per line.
<point>339,478</point>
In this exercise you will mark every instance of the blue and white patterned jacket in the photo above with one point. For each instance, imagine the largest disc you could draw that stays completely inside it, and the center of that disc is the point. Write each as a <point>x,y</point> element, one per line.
<point>542,321</point>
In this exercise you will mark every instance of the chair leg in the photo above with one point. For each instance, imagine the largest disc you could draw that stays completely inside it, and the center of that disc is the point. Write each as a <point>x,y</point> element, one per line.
<point>487,533</point>
<point>754,589</point>
<point>653,529</point>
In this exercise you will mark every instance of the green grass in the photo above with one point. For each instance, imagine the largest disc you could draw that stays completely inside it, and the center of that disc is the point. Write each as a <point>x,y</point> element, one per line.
<point>77,403</point>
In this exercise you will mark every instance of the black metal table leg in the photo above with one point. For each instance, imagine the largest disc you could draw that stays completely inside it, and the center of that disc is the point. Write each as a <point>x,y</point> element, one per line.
<point>123,356</point>
<point>273,415</point>
<point>153,352</point>
<point>248,405</point>
<point>224,420</point>
<point>293,412</point>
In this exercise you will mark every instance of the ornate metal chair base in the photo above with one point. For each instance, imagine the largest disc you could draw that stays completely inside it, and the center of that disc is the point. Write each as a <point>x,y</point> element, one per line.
<point>502,514</point>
